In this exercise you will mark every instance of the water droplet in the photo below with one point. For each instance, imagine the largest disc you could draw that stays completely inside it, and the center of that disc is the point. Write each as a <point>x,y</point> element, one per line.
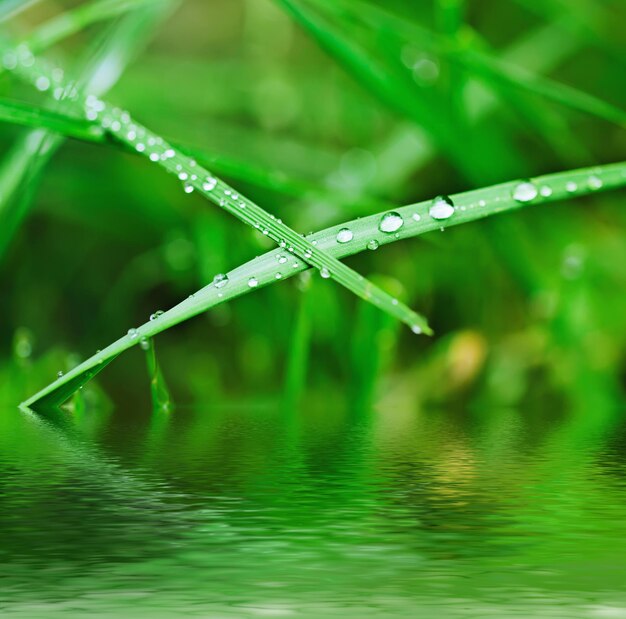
<point>220,280</point>
<point>156,314</point>
<point>391,222</point>
<point>59,374</point>
<point>183,176</point>
<point>295,265</point>
<point>416,329</point>
<point>571,186</point>
<point>594,182</point>
<point>253,282</point>
<point>132,333</point>
<point>169,153</point>
<point>307,254</point>
<point>144,343</point>
<point>278,275</point>
<point>324,272</point>
<point>416,216</point>
<point>524,192</point>
<point>281,259</point>
<point>188,188</point>
<point>345,235</point>
<point>482,203</point>
<point>373,244</point>
<point>546,191</point>
<point>154,156</point>
<point>394,301</point>
<point>441,207</point>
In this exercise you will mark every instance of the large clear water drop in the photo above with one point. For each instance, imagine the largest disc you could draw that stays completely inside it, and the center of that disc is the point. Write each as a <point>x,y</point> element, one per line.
<point>441,207</point>
<point>524,192</point>
<point>220,280</point>
<point>345,235</point>
<point>391,222</point>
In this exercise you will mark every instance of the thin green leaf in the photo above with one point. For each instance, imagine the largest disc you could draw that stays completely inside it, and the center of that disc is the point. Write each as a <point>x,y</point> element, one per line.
<point>262,271</point>
<point>33,116</point>
<point>123,128</point>
<point>161,400</point>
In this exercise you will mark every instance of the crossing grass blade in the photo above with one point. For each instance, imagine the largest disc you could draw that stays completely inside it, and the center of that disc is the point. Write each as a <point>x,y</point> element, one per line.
<point>121,127</point>
<point>251,276</point>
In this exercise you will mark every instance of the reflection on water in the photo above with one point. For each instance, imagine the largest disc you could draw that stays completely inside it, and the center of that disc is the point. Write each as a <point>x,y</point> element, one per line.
<point>246,511</point>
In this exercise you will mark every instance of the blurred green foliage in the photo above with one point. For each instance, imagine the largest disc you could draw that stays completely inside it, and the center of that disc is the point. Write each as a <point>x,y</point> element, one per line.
<point>322,112</point>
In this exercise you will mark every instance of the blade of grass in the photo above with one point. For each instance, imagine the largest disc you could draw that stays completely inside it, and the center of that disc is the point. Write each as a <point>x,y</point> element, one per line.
<point>33,116</point>
<point>19,174</point>
<point>469,206</point>
<point>566,95</point>
<point>161,401</point>
<point>123,128</point>
<point>482,63</point>
<point>374,338</point>
<point>29,156</point>
<point>299,349</point>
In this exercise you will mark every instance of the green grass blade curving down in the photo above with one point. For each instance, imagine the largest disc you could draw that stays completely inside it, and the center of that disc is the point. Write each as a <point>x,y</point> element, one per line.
<point>468,206</point>
<point>469,56</point>
<point>58,121</point>
<point>123,128</point>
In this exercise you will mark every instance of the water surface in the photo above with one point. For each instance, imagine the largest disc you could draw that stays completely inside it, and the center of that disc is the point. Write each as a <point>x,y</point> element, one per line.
<point>246,510</point>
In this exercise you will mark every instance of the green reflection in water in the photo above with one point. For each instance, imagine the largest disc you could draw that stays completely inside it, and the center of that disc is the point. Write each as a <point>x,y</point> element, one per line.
<point>245,511</point>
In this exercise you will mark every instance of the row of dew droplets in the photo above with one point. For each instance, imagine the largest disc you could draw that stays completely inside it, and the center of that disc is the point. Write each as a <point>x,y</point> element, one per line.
<point>52,80</point>
<point>526,191</point>
<point>441,208</point>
